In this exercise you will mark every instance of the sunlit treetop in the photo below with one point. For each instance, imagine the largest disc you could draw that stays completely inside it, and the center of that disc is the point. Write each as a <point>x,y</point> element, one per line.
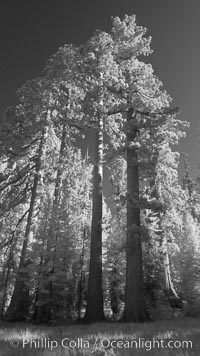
<point>128,38</point>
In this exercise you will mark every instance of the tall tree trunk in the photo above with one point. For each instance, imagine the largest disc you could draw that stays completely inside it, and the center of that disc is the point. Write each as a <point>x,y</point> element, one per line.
<point>36,307</point>
<point>58,181</point>
<point>79,303</point>
<point>134,292</point>
<point>7,277</point>
<point>53,230</point>
<point>94,310</point>
<point>19,305</point>
<point>9,265</point>
<point>174,300</point>
<point>114,290</point>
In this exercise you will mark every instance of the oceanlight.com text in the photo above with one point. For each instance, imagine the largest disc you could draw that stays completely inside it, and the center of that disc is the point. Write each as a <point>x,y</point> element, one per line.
<point>104,343</point>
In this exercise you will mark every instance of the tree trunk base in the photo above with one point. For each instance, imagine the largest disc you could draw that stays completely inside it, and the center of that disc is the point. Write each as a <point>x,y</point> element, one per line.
<point>94,318</point>
<point>135,317</point>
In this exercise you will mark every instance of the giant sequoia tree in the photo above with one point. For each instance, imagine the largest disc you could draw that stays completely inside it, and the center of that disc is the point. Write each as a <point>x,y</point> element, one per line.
<point>102,87</point>
<point>148,116</point>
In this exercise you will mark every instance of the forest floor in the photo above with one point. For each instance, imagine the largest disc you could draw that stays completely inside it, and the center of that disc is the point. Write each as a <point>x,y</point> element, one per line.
<point>180,337</point>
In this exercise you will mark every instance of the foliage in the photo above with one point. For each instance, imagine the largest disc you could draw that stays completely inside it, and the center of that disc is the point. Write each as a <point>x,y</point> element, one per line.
<point>47,217</point>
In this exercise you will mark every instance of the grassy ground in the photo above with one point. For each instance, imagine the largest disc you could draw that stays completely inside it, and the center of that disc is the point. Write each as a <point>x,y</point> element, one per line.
<point>101,339</point>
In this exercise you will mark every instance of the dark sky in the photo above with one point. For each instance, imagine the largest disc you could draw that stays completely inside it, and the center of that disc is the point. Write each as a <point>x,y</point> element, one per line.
<point>31,31</point>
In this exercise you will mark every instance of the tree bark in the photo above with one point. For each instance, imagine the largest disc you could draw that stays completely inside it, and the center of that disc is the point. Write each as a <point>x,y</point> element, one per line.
<point>94,310</point>
<point>19,305</point>
<point>134,310</point>
<point>5,287</point>
<point>174,300</point>
<point>80,286</point>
